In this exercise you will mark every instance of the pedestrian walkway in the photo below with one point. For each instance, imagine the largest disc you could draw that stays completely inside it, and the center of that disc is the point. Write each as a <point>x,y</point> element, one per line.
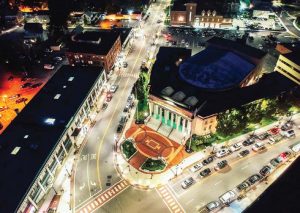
<point>170,200</point>
<point>125,74</point>
<point>104,197</point>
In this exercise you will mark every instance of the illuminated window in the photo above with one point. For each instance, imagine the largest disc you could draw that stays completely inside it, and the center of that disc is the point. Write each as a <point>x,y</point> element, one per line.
<point>50,121</point>
<point>15,150</point>
<point>180,18</point>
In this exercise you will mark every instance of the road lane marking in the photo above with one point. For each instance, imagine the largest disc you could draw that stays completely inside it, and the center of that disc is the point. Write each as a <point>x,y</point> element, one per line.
<point>169,199</point>
<point>218,182</point>
<point>244,167</point>
<point>187,203</point>
<point>106,196</point>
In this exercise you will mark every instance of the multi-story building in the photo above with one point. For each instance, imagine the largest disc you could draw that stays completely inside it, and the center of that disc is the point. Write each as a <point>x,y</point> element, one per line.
<point>94,48</point>
<point>203,14</point>
<point>289,65</point>
<point>34,147</point>
<point>188,92</point>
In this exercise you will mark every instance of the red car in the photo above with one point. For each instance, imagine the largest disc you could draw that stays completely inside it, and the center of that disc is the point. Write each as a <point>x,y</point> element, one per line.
<point>108,97</point>
<point>20,100</point>
<point>274,131</point>
<point>284,155</point>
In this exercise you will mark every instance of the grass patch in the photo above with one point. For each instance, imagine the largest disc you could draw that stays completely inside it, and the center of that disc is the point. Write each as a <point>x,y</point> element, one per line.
<point>128,148</point>
<point>153,165</point>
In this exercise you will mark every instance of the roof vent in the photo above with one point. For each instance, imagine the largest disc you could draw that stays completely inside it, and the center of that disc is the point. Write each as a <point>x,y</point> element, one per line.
<point>178,96</point>
<point>167,91</point>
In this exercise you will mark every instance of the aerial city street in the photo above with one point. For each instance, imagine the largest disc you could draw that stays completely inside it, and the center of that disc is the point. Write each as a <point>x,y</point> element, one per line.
<point>149,106</point>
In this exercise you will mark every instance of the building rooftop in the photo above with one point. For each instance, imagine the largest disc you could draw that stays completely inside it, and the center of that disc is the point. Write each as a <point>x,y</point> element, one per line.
<point>37,129</point>
<point>215,69</point>
<point>94,42</point>
<point>167,84</point>
<point>218,5</point>
<point>294,57</point>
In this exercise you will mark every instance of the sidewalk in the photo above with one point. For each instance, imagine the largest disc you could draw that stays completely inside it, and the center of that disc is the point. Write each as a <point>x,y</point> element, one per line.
<point>145,181</point>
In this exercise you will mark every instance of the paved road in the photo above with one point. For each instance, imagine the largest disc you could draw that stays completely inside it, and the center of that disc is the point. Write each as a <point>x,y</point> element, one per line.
<point>288,23</point>
<point>95,171</point>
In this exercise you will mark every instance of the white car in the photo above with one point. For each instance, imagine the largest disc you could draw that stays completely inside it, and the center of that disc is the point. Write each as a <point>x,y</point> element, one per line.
<point>271,140</point>
<point>57,58</point>
<point>290,133</point>
<point>113,88</point>
<point>236,147</point>
<point>296,148</point>
<point>258,147</point>
<point>187,183</point>
<point>48,67</point>
<point>221,153</point>
<point>228,197</point>
<point>196,167</point>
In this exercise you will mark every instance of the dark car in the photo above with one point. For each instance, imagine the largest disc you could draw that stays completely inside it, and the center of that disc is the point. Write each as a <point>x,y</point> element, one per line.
<point>26,85</point>
<point>120,128</point>
<point>263,136</point>
<point>205,172</point>
<point>254,178</point>
<point>266,170</point>
<point>20,100</point>
<point>10,78</point>
<point>243,186</point>
<point>244,153</point>
<point>36,85</point>
<point>207,161</point>
<point>275,162</point>
<point>104,106</point>
<point>221,165</point>
<point>249,141</point>
<point>286,126</point>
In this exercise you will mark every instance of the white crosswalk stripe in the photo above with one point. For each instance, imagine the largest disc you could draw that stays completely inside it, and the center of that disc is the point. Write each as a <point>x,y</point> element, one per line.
<point>170,200</point>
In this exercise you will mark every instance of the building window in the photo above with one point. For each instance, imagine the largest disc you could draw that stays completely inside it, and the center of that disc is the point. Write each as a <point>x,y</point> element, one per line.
<point>90,62</point>
<point>205,122</point>
<point>76,56</point>
<point>209,127</point>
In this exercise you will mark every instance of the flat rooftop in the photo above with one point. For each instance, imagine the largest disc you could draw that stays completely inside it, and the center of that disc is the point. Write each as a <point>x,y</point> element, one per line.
<point>294,57</point>
<point>215,69</point>
<point>36,136</point>
<point>167,84</point>
<point>94,42</point>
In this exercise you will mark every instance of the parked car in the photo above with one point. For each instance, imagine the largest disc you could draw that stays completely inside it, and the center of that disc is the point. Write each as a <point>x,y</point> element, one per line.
<point>285,155</point>
<point>296,147</point>
<point>286,126</point>
<point>244,153</point>
<point>26,85</point>
<point>21,100</point>
<point>196,167</point>
<point>249,141</point>
<point>228,197</point>
<point>57,58</point>
<point>48,67</point>
<point>108,97</point>
<point>258,147</point>
<point>125,64</point>
<point>14,96</point>
<point>3,108</point>
<point>187,183</point>
<point>275,162</point>
<point>221,153</point>
<point>10,78</point>
<point>263,136</point>
<point>213,206</point>
<point>36,85</point>
<point>48,50</point>
<point>104,106</point>
<point>207,161</point>
<point>266,170</point>
<point>235,147</point>
<point>113,88</point>
<point>243,186</point>
<point>205,172</point>
<point>271,140</point>
<point>254,178</point>
<point>120,128</point>
<point>221,165</point>
<point>290,133</point>
<point>274,131</point>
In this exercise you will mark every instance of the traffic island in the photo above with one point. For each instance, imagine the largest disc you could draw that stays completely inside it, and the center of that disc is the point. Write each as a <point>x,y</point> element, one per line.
<point>128,148</point>
<point>151,165</point>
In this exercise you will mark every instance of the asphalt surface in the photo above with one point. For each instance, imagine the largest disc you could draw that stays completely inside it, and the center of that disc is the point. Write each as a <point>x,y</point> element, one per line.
<point>95,169</point>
